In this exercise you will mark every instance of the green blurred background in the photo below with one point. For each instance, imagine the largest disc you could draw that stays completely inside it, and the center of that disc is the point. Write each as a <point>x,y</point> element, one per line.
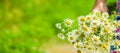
<point>27,25</point>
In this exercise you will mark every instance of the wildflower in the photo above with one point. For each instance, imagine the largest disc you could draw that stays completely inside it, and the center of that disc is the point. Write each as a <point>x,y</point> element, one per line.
<point>105,46</point>
<point>81,19</point>
<point>87,43</point>
<point>106,24</point>
<point>78,45</point>
<point>117,24</point>
<point>96,12</point>
<point>94,17</point>
<point>96,39</point>
<point>72,38</point>
<point>75,32</point>
<point>84,28</point>
<point>88,17</point>
<point>116,43</point>
<point>106,30</point>
<point>61,36</point>
<point>105,15</point>
<point>58,25</point>
<point>95,23</point>
<point>94,29</point>
<point>68,22</point>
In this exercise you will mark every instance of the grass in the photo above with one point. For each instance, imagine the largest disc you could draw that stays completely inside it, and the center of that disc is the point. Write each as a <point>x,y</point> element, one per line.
<point>28,23</point>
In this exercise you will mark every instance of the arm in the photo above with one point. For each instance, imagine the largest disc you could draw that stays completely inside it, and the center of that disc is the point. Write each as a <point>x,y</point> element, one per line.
<point>100,5</point>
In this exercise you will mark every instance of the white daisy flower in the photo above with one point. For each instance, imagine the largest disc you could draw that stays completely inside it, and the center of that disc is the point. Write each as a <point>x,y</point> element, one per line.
<point>81,19</point>
<point>102,20</point>
<point>105,46</point>
<point>93,29</point>
<point>116,43</point>
<point>96,39</point>
<point>78,45</point>
<point>61,36</point>
<point>88,43</point>
<point>72,38</point>
<point>88,17</point>
<point>86,30</point>
<point>116,23</point>
<point>106,24</point>
<point>58,25</point>
<point>96,12</point>
<point>105,30</point>
<point>94,17</point>
<point>105,15</point>
<point>75,32</point>
<point>95,23</point>
<point>68,22</point>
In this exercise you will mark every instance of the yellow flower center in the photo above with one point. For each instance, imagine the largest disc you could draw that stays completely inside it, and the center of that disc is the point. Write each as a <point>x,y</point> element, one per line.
<point>85,28</point>
<point>82,19</point>
<point>94,17</point>
<point>97,13</point>
<point>78,45</point>
<point>106,30</point>
<point>104,46</point>
<point>96,39</point>
<point>85,46</point>
<point>68,22</point>
<point>116,43</point>
<point>106,24</point>
<point>88,18</point>
<point>71,37</point>
<point>102,20</point>
<point>94,29</point>
<point>76,32</point>
<point>99,45</point>
<point>94,23</point>
<point>116,24</point>
<point>89,48</point>
<point>87,38</point>
<point>105,15</point>
<point>87,43</point>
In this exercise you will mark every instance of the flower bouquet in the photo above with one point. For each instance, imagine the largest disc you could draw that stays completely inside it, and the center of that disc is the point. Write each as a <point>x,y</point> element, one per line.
<point>91,32</point>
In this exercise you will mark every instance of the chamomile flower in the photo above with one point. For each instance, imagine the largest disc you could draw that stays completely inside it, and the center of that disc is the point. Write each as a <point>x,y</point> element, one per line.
<point>93,29</point>
<point>106,30</point>
<point>61,36</point>
<point>95,23</point>
<point>72,38</point>
<point>106,24</point>
<point>58,25</point>
<point>81,24</point>
<point>81,19</point>
<point>94,17</point>
<point>102,20</point>
<point>105,15</point>
<point>78,45</point>
<point>88,43</point>
<point>88,18</point>
<point>86,30</point>
<point>116,42</point>
<point>116,23</point>
<point>68,22</point>
<point>96,12</point>
<point>75,32</point>
<point>105,46</point>
<point>96,39</point>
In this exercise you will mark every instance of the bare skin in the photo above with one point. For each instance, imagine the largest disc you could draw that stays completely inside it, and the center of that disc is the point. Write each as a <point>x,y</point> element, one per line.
<point>100,5</point>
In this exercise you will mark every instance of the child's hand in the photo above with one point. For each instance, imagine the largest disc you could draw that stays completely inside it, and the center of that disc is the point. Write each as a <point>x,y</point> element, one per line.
<point>100,5</point>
